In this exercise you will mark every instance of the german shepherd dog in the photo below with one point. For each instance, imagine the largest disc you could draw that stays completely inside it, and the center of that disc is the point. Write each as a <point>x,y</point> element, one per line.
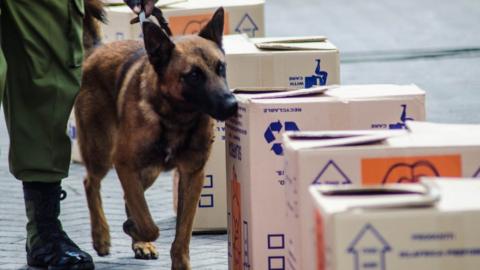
<point>146,108</point>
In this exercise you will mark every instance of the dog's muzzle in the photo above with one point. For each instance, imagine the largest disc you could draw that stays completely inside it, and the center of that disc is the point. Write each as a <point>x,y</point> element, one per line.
<point>227,107</point>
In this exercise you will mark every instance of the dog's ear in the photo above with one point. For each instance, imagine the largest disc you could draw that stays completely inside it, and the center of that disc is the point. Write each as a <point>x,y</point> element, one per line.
<point>158,45</point>
<point>213,30</point>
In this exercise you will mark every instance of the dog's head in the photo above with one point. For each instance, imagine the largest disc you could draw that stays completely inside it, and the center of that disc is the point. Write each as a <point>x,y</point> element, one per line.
<point>192,69</point>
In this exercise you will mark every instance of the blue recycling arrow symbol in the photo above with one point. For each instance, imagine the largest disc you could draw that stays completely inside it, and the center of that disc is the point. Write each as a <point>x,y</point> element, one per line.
<point>247,25</point>
<point>291,126</point>
<point>368,249</point>
<point>274,129</point>
<point>277,149</point>
<point>275,126</point>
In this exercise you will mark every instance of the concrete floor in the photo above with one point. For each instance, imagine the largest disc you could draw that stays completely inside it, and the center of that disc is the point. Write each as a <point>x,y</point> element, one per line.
<point>435,44</point>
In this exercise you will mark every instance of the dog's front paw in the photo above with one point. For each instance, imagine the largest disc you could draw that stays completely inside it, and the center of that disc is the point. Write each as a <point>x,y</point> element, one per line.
<point>146,234</point>
<point>180,258</point>
<point>181,263</point>
<point>101,241</point>
<point>102,247</point>
<point>145,250</point>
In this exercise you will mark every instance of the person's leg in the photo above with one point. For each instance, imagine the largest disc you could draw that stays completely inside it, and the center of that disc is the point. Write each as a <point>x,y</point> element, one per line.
<point>3,73</point>
<point>42,42</point>
<point>47,244</point>
<point>3,66</point>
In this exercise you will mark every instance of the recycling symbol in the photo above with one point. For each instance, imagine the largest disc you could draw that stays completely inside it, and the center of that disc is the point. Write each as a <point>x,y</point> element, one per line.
<point>273,132</point>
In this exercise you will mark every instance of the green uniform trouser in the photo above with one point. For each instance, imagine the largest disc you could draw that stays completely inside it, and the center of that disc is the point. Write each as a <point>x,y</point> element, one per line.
<point>40,73</point>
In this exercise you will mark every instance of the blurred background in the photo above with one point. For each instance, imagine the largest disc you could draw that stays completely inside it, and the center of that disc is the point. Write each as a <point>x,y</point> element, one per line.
<point>434,44</point>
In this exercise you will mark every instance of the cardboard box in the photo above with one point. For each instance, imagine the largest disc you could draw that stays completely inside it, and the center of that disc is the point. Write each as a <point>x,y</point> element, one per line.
<point>241,16</point>
<point>290,59</point>
<point>297,62</point>
<point>369,158</point>
<point>255,161</point>
<point>429,227</point>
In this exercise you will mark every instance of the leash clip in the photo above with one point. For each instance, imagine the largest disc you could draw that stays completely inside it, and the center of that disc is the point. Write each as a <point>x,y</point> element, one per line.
<point>157,13</point>
<point>142,17</point>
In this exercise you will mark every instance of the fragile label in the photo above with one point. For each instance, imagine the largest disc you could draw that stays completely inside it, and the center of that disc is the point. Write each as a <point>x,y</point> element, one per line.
<point>192,24</point>
<point>236,224</point>
<point>409,169</point>
<point>320,241</point>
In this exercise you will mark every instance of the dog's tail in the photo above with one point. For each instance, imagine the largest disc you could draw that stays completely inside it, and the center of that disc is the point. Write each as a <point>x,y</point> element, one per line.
<point>94,15</point>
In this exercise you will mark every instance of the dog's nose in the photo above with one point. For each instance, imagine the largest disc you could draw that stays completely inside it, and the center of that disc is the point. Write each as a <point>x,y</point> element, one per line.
<point>227,108</point>
<point>231,106</point>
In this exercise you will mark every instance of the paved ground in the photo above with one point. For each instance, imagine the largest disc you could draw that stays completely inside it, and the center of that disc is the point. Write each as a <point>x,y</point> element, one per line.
<point>432,43</point>
<point>76,223</point>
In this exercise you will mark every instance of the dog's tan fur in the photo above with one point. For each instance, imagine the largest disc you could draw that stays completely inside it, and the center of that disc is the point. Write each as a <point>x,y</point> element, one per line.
<point>131,114</point>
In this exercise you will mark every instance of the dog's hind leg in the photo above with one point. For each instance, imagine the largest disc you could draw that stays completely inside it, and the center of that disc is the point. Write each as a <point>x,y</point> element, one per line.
<point>95,138</point>
<point>97,167</point>
<point>99,225</point>
<point>139,225</point>
<point>189,189</point>
<point>146,250</point>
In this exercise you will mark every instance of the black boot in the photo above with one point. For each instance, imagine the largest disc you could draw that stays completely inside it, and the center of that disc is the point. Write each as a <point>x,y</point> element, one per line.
<point>47,244</point>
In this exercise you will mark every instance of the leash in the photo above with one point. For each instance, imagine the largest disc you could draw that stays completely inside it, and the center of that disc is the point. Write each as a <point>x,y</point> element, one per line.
<point>157,13</point>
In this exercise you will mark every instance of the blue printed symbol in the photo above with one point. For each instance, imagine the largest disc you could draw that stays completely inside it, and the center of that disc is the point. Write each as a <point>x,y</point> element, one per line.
<point>208,182</point>
<point>331,174</point>
<point>276,262</point>
<point>477,174</point>
<point>320,77</point>
<point>368,249</point>
<point>247,25</point>
<point>403,118</point>
<point>206,201</point>
<point>246,248</point>
<point>276,241</point>
<point>274,129</point>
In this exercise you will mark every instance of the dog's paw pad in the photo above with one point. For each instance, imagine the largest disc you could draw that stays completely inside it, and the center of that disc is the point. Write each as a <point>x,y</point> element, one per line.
<point>128,226</point>
<point>101,244</point>
<point>145,251</point>
<point>180,261</point>
<point>102,250</point>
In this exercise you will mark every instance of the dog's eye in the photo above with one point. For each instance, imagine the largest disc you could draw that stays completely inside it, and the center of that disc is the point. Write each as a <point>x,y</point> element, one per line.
<point>195,76</point>
<point>221,70</point>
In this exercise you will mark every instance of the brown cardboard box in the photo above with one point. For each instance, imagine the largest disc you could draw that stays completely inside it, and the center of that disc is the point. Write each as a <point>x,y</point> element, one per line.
<point>255,161</point>
<point>288,62</point>
<point>365,158</point>
<point>296,62</point>
<point>241,16</point>
<point>428,226</point>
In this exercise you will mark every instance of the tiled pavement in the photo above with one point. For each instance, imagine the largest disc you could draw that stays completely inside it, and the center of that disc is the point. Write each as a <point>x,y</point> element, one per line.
<point>386,41</point>
<point>207,251</point>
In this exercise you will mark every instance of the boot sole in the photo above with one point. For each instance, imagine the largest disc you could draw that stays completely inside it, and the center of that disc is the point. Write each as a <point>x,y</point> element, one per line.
<point>79,266</point>
<point>82,266</point>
